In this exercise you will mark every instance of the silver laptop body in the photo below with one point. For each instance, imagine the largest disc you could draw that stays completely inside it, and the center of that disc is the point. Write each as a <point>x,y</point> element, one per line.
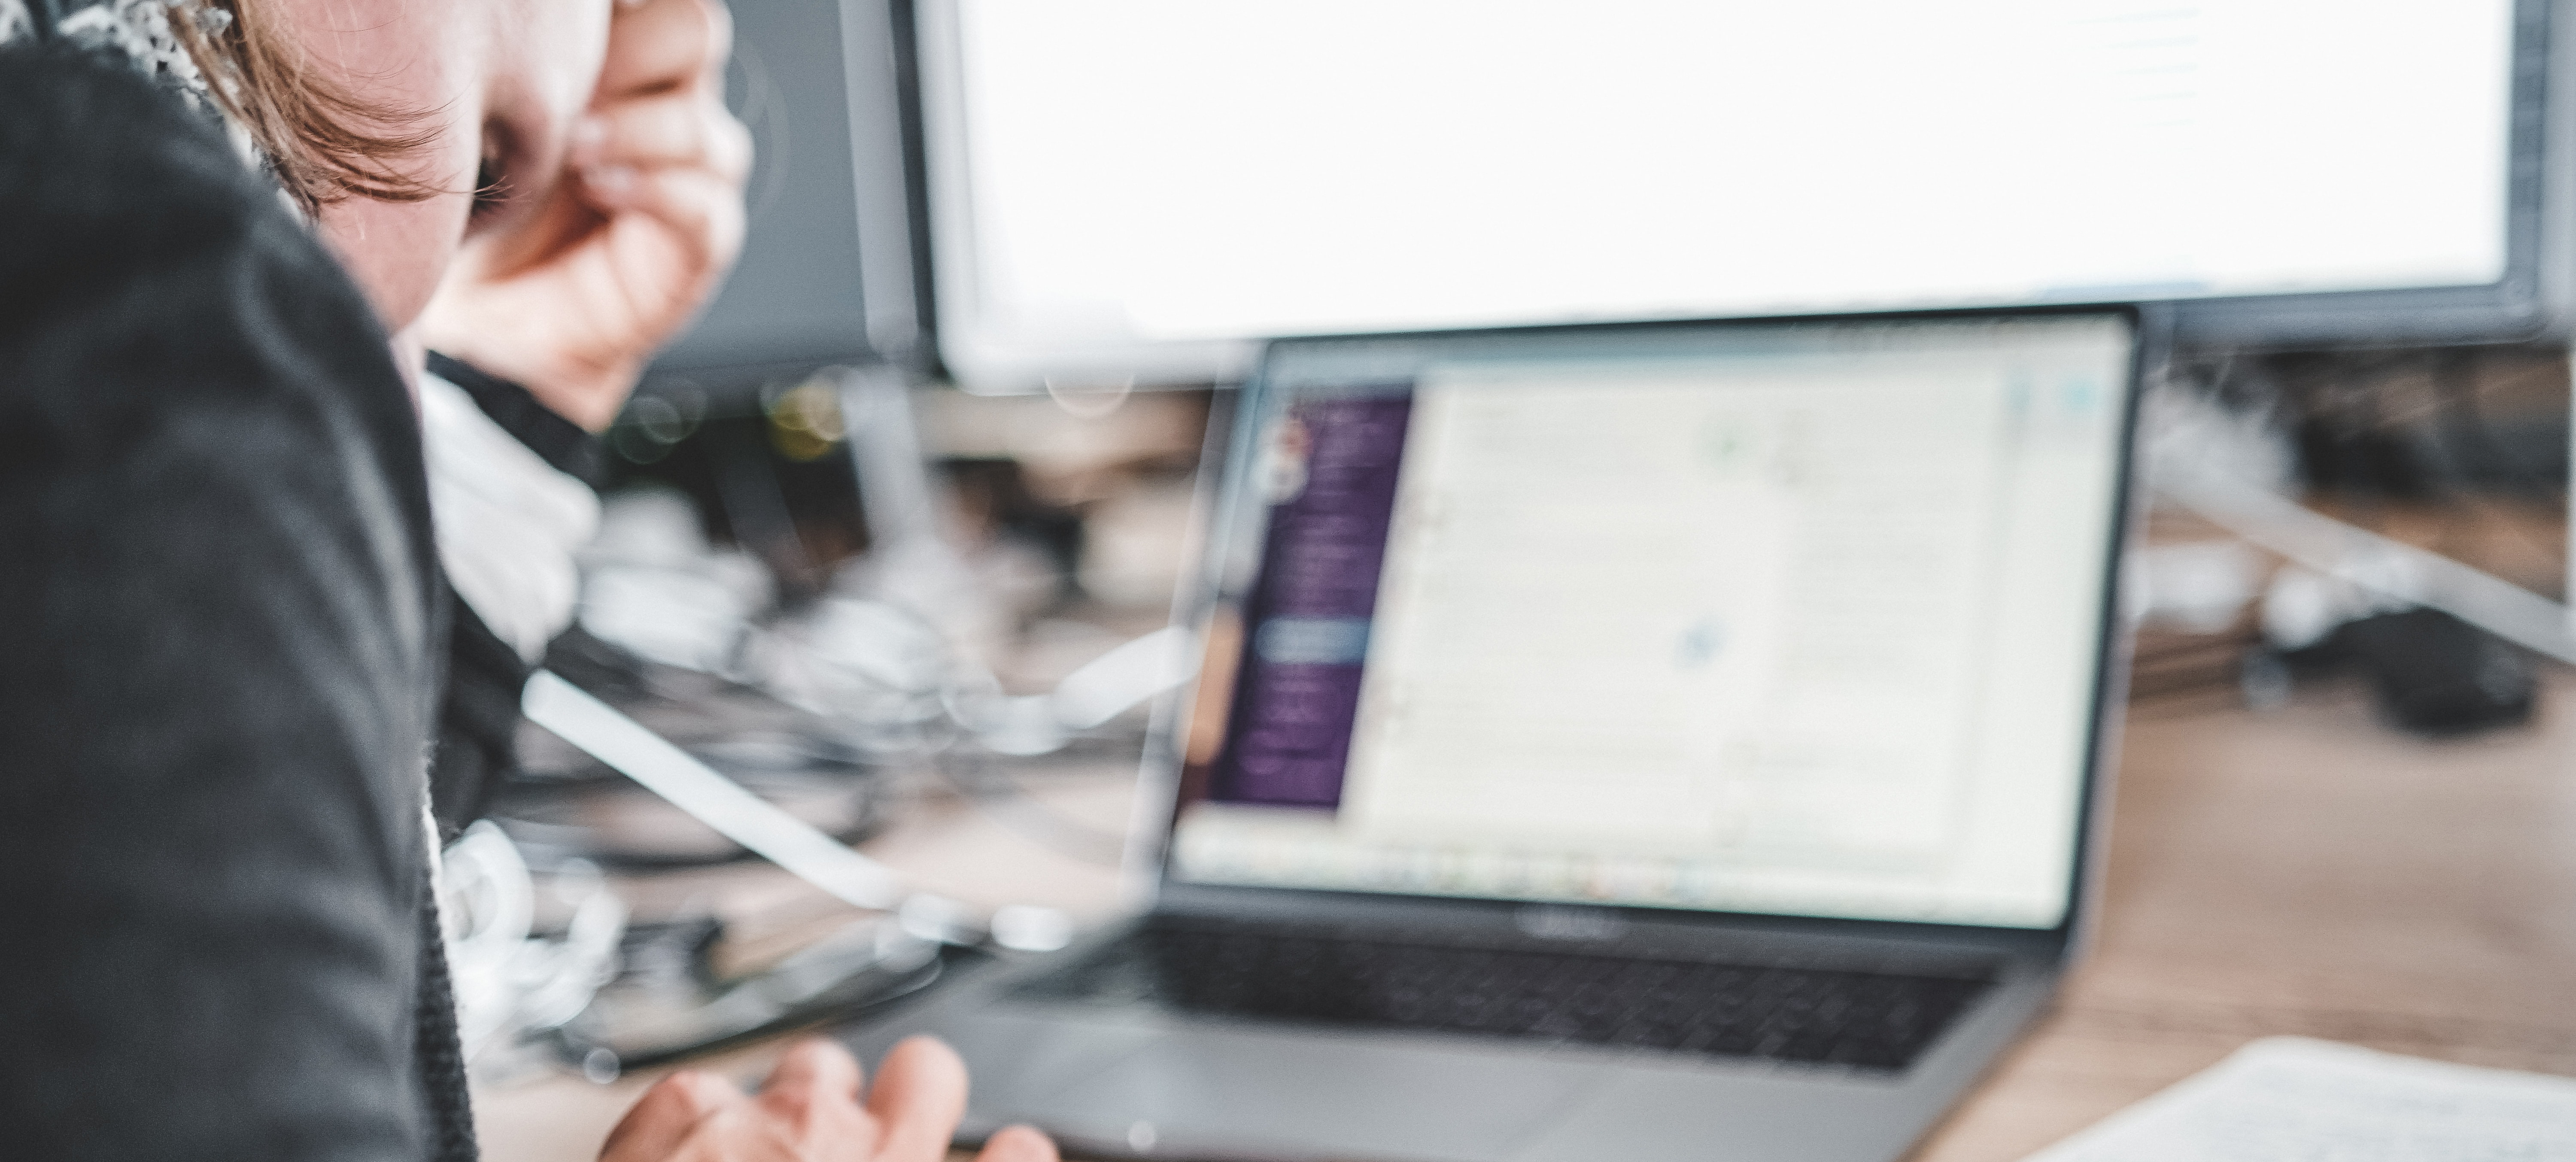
<point>1670,742</point>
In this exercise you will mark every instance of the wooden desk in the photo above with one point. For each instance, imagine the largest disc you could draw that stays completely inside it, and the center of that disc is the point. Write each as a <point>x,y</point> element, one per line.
<point>2307,871</point>
<point>2299,871</point>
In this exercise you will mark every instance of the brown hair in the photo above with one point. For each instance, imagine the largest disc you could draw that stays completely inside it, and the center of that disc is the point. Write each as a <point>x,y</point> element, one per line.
<point>323,142</point>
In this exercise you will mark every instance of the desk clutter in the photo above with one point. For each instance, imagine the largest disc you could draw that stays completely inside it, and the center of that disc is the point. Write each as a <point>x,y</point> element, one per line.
<point>730,617</point>
<point>715,646</point>
<point>2313,515</point>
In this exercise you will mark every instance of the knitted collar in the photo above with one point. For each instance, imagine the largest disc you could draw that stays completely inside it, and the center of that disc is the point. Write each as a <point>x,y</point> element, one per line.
<point>138,30</point>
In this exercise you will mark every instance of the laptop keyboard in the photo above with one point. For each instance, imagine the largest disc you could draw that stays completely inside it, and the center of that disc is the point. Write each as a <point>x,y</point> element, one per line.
<point>1869,1020</point>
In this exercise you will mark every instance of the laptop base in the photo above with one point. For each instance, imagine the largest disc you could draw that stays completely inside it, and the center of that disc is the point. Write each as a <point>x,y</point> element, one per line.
<point>1144,1080</point>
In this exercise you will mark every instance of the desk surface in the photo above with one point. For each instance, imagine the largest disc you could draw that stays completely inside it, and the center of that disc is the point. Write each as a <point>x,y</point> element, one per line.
<point>2302,870</point>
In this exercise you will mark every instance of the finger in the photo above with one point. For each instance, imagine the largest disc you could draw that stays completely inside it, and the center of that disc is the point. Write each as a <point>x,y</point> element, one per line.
<point>919,1095</point>
<point>664,44</point>
<point>814,1092</point>
<point>665,1115</point>
<point>1018,1144</point>
<point>679,128</point>
<point>816,1064</point>
<point>701,213</point>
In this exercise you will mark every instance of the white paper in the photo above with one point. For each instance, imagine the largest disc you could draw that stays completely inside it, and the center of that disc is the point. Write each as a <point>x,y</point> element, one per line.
<point>2291,1099</point>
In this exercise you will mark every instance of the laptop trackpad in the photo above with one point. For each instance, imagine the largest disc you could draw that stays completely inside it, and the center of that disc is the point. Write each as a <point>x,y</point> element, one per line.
<point>1355,1096</point>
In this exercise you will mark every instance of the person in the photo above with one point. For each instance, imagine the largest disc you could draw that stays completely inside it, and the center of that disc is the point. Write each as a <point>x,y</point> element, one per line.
<point>221,622</point>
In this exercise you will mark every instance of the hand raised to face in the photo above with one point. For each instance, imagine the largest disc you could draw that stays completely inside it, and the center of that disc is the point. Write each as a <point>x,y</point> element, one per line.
<point>573,296</point>
<point>811,1111</point>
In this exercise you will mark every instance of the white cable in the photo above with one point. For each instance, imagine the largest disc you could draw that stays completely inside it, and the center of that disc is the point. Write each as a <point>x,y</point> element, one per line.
<point>1132,673</point>
<point>2342,551</point>
<point>627,747</point>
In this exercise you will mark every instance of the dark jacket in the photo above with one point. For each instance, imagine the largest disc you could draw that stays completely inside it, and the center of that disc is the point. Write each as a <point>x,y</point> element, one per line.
<point>221,624</point>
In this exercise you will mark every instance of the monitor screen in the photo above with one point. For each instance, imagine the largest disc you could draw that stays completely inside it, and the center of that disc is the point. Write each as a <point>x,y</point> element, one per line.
<point>1142,184</point>
<point>1804,620</point>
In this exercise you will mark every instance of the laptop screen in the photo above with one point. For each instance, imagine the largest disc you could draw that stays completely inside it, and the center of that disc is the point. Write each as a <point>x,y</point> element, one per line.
<point>1802,619</point>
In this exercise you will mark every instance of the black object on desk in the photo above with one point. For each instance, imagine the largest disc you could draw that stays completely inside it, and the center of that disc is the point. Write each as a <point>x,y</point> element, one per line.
<point>2435,674</point>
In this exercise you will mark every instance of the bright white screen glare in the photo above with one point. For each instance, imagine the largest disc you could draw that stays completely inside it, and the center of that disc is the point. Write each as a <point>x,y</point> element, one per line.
<point>1161,170</point>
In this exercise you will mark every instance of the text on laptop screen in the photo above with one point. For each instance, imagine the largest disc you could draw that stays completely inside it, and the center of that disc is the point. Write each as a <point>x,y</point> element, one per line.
<point>1800,619</point>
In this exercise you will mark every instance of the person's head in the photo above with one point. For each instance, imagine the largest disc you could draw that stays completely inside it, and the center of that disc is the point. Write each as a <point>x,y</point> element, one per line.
<point>406,125</point>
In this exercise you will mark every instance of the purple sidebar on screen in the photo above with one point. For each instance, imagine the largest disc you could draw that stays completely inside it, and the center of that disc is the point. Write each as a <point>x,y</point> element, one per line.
<point>1294,708</point>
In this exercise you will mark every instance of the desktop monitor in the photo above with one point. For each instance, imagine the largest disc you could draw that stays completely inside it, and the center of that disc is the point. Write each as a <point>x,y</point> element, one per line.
<point>1124,190</point>
<point>826,274</point>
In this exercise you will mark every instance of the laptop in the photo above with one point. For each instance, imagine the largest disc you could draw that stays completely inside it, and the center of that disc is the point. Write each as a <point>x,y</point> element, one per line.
<point>1650,742</point>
